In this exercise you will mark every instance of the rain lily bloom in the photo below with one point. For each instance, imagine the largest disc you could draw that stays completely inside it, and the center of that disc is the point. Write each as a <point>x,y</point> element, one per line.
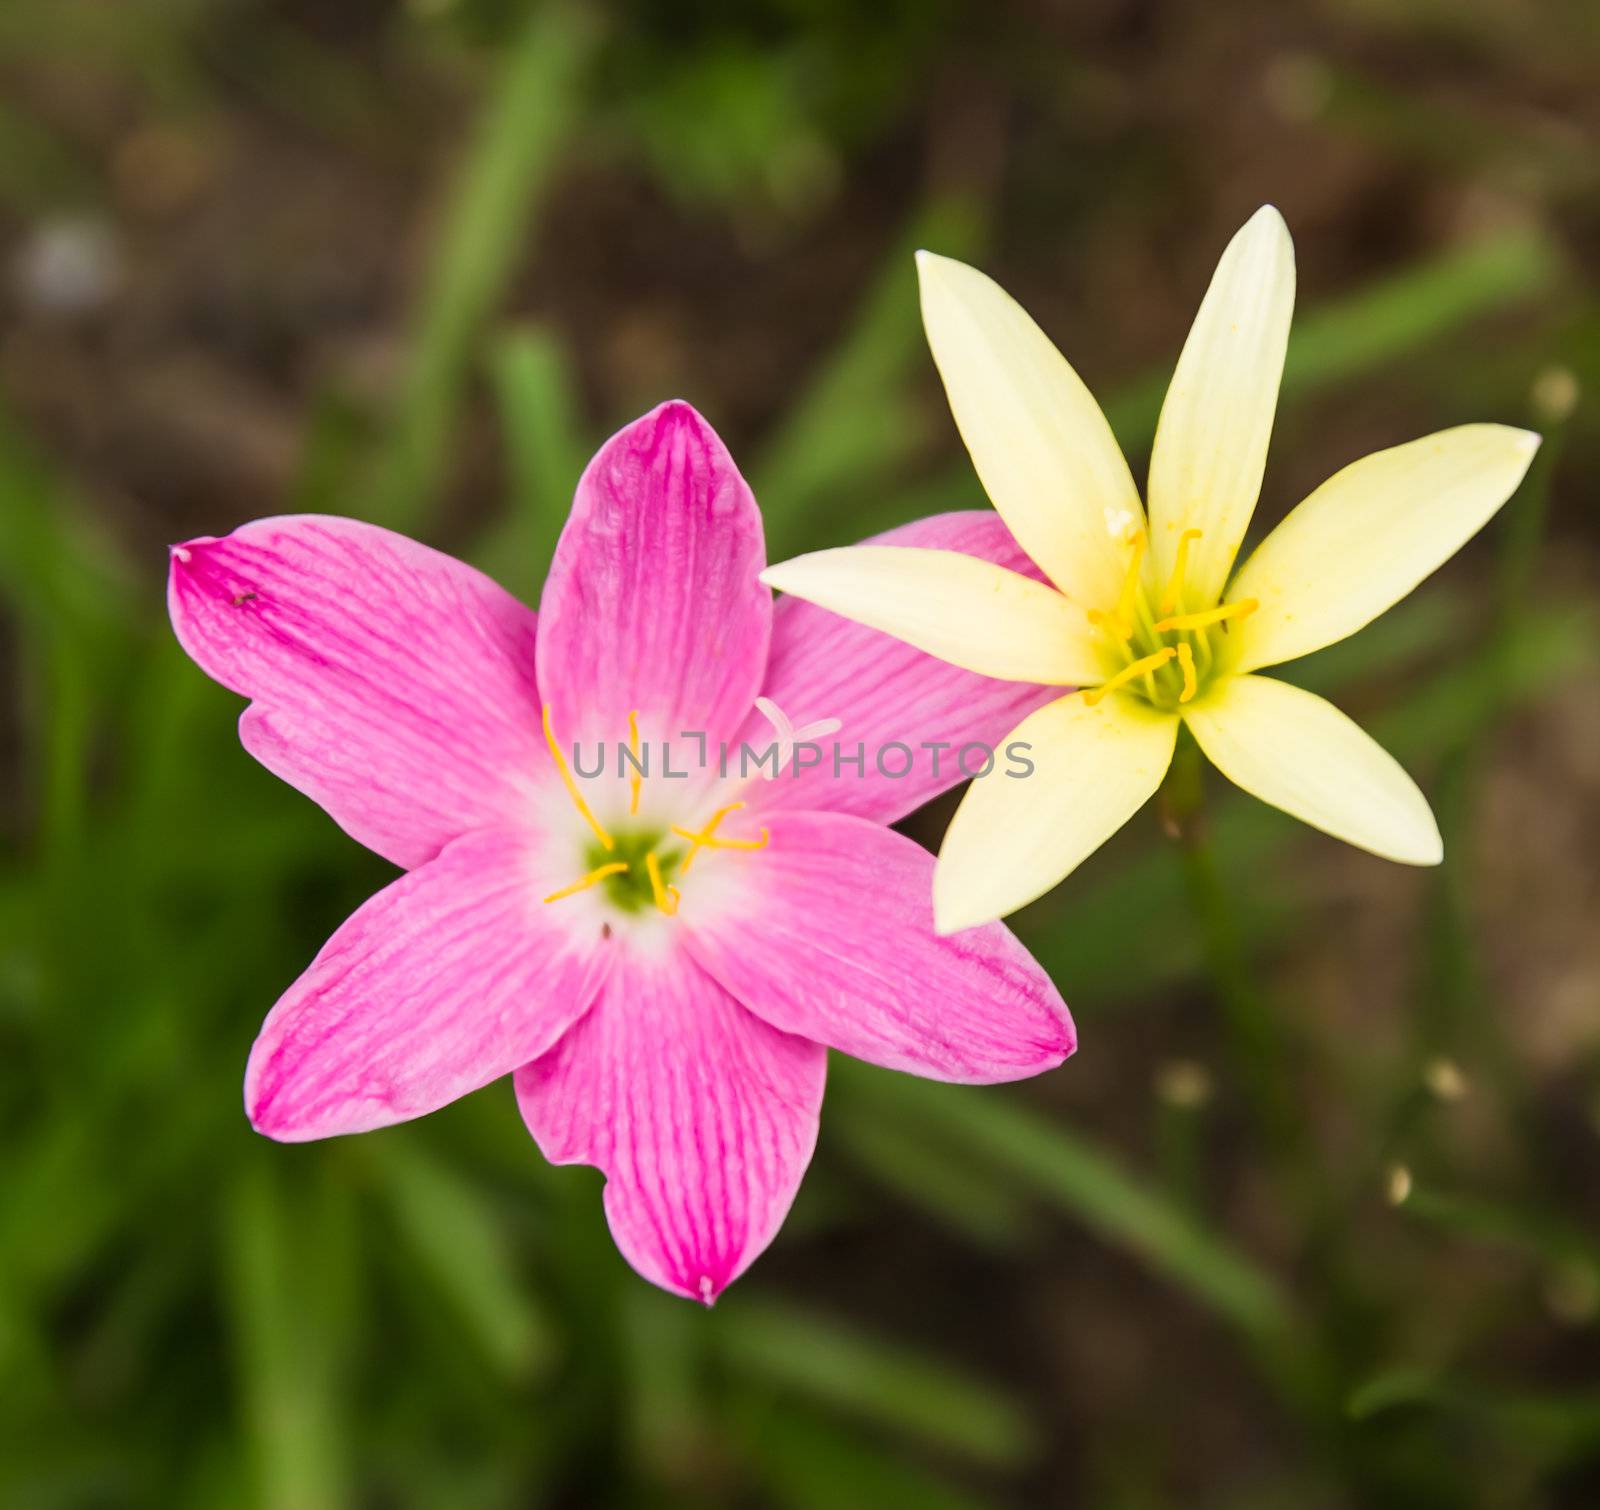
<point>1147,615</point>
<point>660,954</point>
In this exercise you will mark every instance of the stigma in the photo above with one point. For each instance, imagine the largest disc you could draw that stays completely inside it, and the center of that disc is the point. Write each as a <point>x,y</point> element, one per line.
<point>707,838</point>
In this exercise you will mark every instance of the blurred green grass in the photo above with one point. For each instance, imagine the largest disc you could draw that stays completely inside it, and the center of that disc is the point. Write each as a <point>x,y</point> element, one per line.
<point>430,1316</point>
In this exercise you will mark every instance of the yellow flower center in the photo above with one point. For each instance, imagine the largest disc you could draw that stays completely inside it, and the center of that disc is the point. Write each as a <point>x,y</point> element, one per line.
<point>1155,651</point>
<point>637,865</point>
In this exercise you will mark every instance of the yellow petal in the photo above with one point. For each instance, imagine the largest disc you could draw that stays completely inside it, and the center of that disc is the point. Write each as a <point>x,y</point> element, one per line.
<point>1014,837</point>
<point>1041,446</point>
<point>1369,534</point>
<point>1290,748</point>
<point>1211,442</point>
<point>964,610</point>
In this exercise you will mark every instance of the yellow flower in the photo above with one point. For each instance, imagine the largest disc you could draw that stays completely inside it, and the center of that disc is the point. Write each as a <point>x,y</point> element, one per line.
<point>1148,616</point>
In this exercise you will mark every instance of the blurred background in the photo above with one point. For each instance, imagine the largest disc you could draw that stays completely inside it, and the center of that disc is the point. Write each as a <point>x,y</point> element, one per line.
<point>1310,1220</point>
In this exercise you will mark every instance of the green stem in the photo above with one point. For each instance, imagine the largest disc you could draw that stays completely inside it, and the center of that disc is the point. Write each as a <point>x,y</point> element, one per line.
<point>1254,1040</point>
<point>1308,1370</point>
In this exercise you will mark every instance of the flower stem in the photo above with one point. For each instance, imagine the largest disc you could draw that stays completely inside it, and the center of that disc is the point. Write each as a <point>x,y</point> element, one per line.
<point>1254,1039</point>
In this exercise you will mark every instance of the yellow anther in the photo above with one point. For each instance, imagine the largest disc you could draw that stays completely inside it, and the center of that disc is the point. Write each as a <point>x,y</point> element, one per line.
<point>572,786</point>
<point>707,837</point>
<point>1208,617</point>
<point>1186,666</point>
<point>1128,674</point>
<point>1111,623</point>
<point>1180,564</point>
<point>636,780</point>
<point>667,897</point>
<point>595,876</point>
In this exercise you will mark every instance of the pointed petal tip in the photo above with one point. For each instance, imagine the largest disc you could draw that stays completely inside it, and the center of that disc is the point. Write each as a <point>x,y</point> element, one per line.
<point>258,1100</point>
<point>1054,1045</point>
<point>704,1290</point>
<point>708,1291</point>
<point>191,572</point>
<point>276,1111</point>
<point>935,266</point>
<point>270,1102</point>
<point>1429,850</point>
<point>1268,224</point>
<point>678,408</point>
<point>183,555</point>
<point>1422,850</point>
<point>1267,234</point>
<point>1054,1051</point>
<point>263,1126</point>
<point>673,413</point>
<point>953,916</point>
<point>670,417</point>
<point>1523,443</point>
<point>784,576</point>
<point>259,1112</point>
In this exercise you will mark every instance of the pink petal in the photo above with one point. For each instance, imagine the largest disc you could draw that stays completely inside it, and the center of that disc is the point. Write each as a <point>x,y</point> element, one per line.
<point>702,1117</point>
<point>887,694</point>
<point>445,980</point>
<point>835,942</point>
<point>653,601</point>
<point>391,684</point>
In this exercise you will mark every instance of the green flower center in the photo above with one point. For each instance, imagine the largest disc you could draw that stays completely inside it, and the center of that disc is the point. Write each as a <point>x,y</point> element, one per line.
<point>1158,651</point>
<point>632,890</point>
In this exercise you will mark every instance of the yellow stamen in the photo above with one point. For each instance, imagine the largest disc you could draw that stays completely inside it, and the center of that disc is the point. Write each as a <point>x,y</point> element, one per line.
<point>707,839</point>
<point>1120,621</point>
<point>1174,591</point>
<point>667,897</point>
<point>1186,666</point>
<point>635,781</point>
<point>1092,695</point>
<point>595,876</point>
<point>572,785</point>
<point>1209,617</point>
<point>1128,598</point>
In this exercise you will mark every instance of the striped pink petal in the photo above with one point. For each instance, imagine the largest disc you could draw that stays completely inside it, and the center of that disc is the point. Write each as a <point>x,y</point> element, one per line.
<point>445,980</point>
<point>653,602</point>
<point>392,685</point>
<point>702,1116</point>
<point>834,941</point>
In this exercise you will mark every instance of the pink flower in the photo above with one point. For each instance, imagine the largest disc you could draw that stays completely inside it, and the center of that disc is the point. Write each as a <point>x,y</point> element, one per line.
<point>662,961</point>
